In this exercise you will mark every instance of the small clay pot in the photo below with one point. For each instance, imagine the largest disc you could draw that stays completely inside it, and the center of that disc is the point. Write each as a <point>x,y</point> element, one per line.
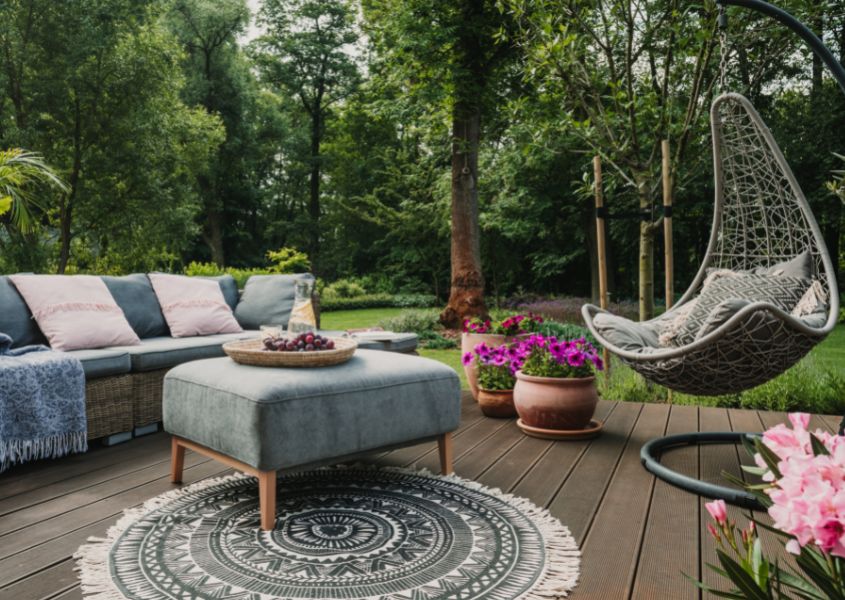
<point>468,343</point>
<point>496,403</point>
<point>555,403</point>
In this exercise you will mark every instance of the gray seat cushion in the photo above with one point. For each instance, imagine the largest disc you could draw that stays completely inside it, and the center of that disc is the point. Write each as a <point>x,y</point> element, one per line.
<point>165,352</point>
<point>134,294</point>
<point>102,362</point>
<point>15,317</point>
<point>279,418</point>
<point>267,299</point>
<point>626,334</point>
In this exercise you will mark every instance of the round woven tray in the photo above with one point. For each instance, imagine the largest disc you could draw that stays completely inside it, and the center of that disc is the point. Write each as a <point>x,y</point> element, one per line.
<point>250,352</point>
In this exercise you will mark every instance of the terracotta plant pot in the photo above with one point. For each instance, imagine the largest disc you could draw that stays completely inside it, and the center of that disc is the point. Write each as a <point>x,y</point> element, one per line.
<point>496,403</point>
<point>555,403</point>
<point>470,341</point>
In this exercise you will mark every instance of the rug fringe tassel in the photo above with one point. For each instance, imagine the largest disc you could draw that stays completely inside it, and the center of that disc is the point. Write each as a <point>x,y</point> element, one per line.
<point>563,556</point>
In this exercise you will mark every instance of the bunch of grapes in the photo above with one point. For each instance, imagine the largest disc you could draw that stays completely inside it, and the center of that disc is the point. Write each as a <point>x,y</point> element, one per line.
<point>304,342</point>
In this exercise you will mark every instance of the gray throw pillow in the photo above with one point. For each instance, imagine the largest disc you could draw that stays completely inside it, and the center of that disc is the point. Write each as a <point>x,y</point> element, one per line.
<point>267,300</point>
<point>15,317</point>
<point>780,291</point>
<point>724,311</point>
<point>134,294</point>
<point>800,266</point>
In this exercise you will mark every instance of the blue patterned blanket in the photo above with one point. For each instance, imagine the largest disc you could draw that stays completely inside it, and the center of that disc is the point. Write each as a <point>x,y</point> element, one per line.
<point>42,404</point>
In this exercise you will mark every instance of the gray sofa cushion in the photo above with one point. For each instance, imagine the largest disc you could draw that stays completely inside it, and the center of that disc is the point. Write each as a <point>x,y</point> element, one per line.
<point>278,418</point>
<point>102,363</point>
<point>267,299</point>
<point>229,287</point>
<point>15,317</point>
<point>134,294</point>
<point>165,352</point>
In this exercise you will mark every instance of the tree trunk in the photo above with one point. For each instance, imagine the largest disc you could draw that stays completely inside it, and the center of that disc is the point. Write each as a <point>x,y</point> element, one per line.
<point>66,209</point>
<point>466,297</point>
<point>646,267</point>
<point>214,235</point>
<point>314,188</point>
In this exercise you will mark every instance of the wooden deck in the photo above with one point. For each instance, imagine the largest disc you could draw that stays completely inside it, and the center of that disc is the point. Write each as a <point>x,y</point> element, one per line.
<point>637,535</point>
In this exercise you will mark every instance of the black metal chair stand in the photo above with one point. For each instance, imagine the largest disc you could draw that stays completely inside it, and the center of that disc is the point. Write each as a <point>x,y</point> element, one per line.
<point>651,451</point>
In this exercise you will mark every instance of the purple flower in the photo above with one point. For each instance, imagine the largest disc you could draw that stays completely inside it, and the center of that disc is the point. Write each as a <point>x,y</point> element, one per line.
<point>576,359</point>
<point>466,359</point>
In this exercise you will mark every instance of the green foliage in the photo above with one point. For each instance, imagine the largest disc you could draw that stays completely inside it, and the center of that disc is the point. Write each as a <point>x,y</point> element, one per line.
<point>805,387</point>
<point>567,331</point>
<point>435,341</point>
<point>413,321</point>
<point>377,301</point>
<point>343,288</point>
<point>241,276</point>
<point>491,377</point>
<point>22,174</point>
<point>288,260</point>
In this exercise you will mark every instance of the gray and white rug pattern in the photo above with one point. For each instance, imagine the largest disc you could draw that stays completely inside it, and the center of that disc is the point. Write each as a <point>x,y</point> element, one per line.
<point>356,532</point>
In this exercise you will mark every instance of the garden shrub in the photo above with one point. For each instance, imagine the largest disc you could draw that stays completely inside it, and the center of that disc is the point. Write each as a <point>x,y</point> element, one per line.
<point>343,288</point>
<point>413,321</point>
<point>424,323</point>
<point>196,269</point>
<point>328,304</point>
<point>282,261</point>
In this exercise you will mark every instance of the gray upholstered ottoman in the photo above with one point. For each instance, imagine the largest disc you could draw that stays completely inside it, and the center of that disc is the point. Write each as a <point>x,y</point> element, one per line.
<point>260,420</point>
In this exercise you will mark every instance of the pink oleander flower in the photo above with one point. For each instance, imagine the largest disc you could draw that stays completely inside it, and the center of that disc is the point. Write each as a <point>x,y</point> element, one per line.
<point>718,511</point>
<point>808,491</point>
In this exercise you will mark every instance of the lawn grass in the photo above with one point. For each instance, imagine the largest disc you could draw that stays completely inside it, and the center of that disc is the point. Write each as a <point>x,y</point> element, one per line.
<point>370,317</point>
<point>830,354</point>
<point>356,319</point>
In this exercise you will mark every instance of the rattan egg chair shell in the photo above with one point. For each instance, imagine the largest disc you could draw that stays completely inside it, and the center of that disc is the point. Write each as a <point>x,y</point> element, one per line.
<point>761,218</point>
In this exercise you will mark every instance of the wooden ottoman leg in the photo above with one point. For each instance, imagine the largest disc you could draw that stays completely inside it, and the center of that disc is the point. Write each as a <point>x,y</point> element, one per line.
<point>444,446</point>
<point>267,499</point>
<point>177,460</point>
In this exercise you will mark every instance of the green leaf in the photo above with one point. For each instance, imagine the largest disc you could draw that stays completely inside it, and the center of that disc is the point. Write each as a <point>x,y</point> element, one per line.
<point>818,447</point>
<point>740,577</point>
<point>5,205</point>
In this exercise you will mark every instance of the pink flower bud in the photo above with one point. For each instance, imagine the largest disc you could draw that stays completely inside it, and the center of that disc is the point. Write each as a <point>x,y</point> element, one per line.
<point>718,511</point>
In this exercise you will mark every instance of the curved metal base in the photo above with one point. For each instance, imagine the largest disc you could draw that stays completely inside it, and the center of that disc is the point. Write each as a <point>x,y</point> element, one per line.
<point>652,449</point>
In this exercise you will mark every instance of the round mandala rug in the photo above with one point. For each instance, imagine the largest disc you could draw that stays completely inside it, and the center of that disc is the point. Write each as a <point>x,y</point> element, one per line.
<point>357,532</point>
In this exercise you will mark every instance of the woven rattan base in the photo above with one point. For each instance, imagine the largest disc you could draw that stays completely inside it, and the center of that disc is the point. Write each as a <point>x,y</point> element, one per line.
<point>108,402</point>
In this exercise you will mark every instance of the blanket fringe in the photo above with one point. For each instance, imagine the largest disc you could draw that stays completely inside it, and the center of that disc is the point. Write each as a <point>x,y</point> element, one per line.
<point>54,446</point>
<point>563,557</point>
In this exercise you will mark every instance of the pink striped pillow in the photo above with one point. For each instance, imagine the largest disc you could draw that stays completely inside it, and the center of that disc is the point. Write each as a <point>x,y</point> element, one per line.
<point>193,306</point>
<point>75,312</point>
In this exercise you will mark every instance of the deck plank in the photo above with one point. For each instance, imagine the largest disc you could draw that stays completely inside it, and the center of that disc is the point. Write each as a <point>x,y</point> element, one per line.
<point>543,480</point>
<point>597,488</point>
<point>621,518</point>
<point>581,494</point>
<point>714,459</point>
<point>672,523</point>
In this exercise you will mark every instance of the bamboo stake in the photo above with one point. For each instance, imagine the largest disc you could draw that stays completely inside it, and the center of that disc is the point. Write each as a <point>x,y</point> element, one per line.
<point>668,251</point>
<point>600,242</point>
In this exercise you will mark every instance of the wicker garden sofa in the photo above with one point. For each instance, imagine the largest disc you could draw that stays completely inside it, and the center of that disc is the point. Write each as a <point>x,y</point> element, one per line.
<point>124,384</point>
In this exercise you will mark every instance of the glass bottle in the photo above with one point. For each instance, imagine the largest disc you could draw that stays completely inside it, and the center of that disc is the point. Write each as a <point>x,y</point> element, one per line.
<point>302,317</point>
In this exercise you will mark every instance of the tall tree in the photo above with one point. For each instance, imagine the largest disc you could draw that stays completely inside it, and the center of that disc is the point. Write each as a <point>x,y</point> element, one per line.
<point>94,86</point>
<point>448,58</point>
<point>307,52</point>
<point>219,81</point>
